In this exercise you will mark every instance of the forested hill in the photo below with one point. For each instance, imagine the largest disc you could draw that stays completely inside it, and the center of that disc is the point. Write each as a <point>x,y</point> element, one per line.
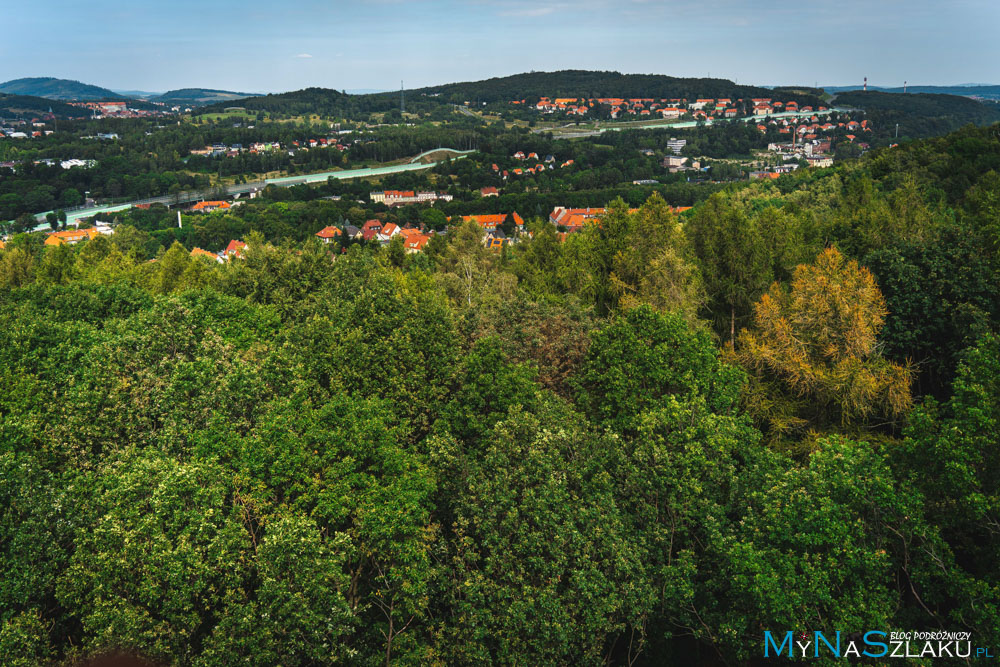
<point>573,83</point>
<point>919,115</point>
<point>200,96</point>
<point>27,105</point>
<point>986,91</point>
<point>530,87</point>
<point>56,89</point>
<point>323,101</point>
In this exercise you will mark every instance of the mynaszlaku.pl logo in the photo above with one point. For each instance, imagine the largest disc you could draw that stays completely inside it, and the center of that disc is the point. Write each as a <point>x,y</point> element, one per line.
<point>873,644</point>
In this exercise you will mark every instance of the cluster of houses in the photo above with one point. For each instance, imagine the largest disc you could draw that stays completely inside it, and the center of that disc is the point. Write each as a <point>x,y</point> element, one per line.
<point>620,106</point>
<point>25,129</point>
<point>401,197</point>
<point>549,162</point>
<point>650,107</point>
<point>220,149</point>
<point>117,110</point>
<point>49,162</point>
<point>414,238</point>
<point>812,141</point>
<point>811,128</point>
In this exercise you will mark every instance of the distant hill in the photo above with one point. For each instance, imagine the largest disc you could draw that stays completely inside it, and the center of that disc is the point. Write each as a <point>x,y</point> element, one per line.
<point>986,91</point>
<point>323,101</point>
<point>57,89</point>
<point>200,96</point>
<point>918,114</point>
<point>531,86</point>
<point>140,94</point>
<point>576,83</point>
<point>24,106</point>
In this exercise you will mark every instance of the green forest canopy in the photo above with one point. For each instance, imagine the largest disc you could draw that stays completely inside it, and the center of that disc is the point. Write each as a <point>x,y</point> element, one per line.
<point>559,454</point>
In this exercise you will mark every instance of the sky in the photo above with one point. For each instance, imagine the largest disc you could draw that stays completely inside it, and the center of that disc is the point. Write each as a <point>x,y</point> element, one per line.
<point>275,46</point>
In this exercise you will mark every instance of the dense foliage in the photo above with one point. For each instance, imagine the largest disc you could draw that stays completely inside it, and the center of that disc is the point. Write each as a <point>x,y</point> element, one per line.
<point>29,106</point>
<point>643,443</point>
<point>919,114</point>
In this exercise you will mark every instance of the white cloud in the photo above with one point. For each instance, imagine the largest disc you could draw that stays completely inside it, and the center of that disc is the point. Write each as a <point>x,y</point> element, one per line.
<point>538,11</point>
<point>304,55</point>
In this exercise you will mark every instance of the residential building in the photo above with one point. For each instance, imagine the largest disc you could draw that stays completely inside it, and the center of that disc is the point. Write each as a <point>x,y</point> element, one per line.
<point>415,243</point>
<point>574,218</point>
<point>371,229</point>
<point>676,145</point>
<point>207,206</point>
<point>198,252</point>
<point>328,234</point>
<point>234,249</point>
<point>71,236</point>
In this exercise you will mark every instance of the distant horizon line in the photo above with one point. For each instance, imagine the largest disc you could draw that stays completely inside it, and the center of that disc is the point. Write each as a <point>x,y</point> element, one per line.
<point>133,91</point>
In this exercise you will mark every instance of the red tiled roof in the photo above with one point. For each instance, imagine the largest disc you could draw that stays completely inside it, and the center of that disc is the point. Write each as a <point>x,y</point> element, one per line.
<point>328,232</point>
<point>416,241</point>
<point>202,205</point>
<point>235,248</point>
<point>198,252</point>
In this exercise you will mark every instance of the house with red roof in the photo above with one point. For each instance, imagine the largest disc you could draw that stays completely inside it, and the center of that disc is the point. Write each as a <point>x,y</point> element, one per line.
<point>328,234</point>
<point>71,236</point>
<point>371,229</point>
<point>389,230</point>
<point>234,249</point>
<point>207,206</point>
<point>198,252</point>
<point>574,218</point>
<point>415,243</point>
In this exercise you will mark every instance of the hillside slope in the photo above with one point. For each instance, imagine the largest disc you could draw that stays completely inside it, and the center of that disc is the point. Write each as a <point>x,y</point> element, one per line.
<point>27,105</point>
<point>572,83</point>
<point>200,96</point>
<point>56,89</point>
<point>918,115</point>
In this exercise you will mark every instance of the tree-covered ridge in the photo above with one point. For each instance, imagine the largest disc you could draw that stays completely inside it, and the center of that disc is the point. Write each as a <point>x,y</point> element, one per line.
<point>920,114</point>
<point>56,89</point>
<point>644,443</point>
<point>583,83</point>
<point>320,101</point>
<point>199,95</point>
<point>28,106</point>
<point>530,86</point>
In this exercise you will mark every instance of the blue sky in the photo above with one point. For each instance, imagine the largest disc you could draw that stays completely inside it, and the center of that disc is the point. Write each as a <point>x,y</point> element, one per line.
<point>257,46</point>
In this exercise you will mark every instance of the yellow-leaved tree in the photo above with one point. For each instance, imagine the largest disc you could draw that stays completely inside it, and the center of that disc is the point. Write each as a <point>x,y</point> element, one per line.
<point>814,356</point>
